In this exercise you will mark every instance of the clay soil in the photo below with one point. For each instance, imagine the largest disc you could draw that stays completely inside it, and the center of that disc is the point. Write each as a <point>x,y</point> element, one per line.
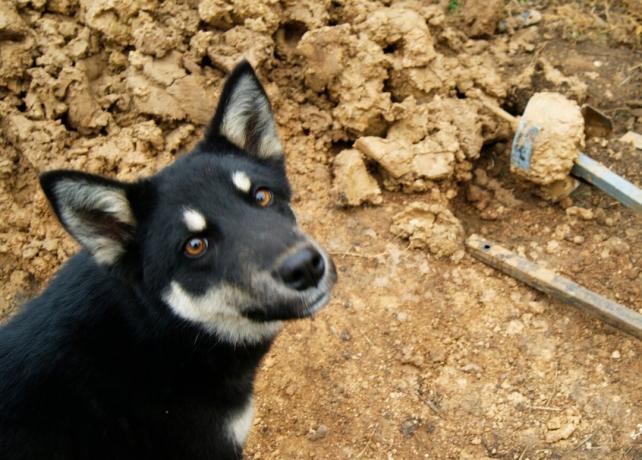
<point>423,352</point>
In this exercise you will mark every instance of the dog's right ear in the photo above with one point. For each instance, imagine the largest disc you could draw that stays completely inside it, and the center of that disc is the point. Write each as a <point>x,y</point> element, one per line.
<point>244,116</point>
<point>96,211</point>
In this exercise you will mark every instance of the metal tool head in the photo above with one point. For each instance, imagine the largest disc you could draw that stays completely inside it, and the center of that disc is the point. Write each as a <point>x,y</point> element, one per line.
<point>522,149</point>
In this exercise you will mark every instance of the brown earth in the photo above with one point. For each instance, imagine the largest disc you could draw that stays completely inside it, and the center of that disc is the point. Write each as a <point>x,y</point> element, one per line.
<point>423,352</point>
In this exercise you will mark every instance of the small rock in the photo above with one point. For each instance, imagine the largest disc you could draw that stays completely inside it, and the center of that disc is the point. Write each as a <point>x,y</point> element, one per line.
<point>431,226</point>
<point>402,316</point>
<point>616,354</point>
<point>578,239</point>
<point>552,247</point>
<point>345,336</point>
<point>582,213</point>
<point>559,430</point>
<point>320,433</point>
<point>616,245</point>
<point>555,423</point>
<point>516,398</point>
<point>514,327</point>
<point>471,368</point>
<point>558,190</point>
<point>536,307</point>
<point>409,427</point>
<point>633,138</point>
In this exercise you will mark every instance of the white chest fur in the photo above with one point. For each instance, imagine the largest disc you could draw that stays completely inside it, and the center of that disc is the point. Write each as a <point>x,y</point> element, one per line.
<point>240,422</point>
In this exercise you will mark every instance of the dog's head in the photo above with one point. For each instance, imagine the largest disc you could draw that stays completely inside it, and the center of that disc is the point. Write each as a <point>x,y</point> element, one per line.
<point>212,236</point>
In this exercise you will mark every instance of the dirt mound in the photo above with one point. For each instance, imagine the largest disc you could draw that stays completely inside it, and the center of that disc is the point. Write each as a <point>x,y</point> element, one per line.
<point>378,103</point>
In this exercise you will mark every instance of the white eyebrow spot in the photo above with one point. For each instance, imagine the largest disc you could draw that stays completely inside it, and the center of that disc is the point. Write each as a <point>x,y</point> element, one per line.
<point>194,220</point>
<point>241,181</point>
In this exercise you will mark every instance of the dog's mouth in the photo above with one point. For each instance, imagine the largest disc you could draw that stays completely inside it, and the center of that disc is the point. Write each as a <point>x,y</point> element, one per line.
<point>283,304</point>
<point>316,305</point>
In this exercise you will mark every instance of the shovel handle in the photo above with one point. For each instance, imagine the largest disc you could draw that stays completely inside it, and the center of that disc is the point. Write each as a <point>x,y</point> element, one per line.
<point>609,182</point>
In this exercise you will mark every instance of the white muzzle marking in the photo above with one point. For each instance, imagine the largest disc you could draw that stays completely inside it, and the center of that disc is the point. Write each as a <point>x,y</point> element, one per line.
<point>217,312</point>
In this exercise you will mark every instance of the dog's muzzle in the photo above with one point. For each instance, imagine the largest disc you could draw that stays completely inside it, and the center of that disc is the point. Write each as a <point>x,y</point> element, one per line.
<point>300,284</point>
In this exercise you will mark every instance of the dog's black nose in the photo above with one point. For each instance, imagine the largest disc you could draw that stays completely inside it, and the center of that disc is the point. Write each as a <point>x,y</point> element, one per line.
<point>303,269</point>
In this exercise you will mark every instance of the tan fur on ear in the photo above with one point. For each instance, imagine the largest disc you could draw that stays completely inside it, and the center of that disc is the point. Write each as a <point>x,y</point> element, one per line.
<point>248,122</point>
<point>77,199</point>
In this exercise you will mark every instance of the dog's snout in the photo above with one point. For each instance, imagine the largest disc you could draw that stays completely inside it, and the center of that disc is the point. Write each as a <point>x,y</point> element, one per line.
<point>303,269</point>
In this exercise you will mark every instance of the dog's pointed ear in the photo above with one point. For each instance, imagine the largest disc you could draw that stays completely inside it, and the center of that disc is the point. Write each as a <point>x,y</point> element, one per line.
<point>96,211</point>
<point>244,116</point>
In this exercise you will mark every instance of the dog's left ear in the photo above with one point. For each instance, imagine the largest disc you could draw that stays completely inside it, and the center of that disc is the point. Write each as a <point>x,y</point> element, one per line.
<point>244,115</point>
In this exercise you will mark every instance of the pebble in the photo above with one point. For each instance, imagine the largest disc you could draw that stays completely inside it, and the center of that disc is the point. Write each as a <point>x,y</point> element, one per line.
<point>409,427</point>
<point>514,327</point>
<point>552,247</point>
<point>402,316</point>
<point>582,213</point>
<point>616,354</point>
<point>320,433</point>
<point>578,239</point>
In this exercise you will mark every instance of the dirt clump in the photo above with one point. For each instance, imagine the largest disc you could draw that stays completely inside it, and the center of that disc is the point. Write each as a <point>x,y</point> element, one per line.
<point>430,226</point>
<point>480,19</point>
<point>352,69</point>
<point>353,185</point>
<point>554,127</point>
<point>429,142</point>
<point>542,76</point>
<point>423,350</point>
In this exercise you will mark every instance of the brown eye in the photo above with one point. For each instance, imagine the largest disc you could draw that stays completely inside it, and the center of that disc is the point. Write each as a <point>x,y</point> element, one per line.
<point>195,247</point>
<point>263,197</point>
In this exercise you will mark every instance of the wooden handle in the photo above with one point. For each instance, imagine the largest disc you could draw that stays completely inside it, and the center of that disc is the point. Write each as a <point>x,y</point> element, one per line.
<point>555,285</point>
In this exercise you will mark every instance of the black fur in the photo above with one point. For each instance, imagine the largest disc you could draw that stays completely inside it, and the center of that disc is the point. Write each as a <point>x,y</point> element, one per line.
<point>99,366</point>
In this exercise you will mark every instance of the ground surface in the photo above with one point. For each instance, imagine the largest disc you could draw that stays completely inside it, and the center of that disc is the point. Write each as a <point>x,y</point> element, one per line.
<point>417,355</point>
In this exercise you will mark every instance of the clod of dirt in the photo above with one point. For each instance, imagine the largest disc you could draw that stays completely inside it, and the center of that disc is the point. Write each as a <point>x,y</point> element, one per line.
<point>558,190</point>
<point>85,114</point>
<point>558,128</point>
<point>480,19</point>
<point>352,69</point>
<point>429,226</point>
<point>38,141</point>
<point>409,427</point>
<point>319,433</point>
<point>560,428</point>
<point>353,185</point>
<point>163,88</point>
<point>541,77</point>
<point>111,17</point>
<point>409,164</point>
<point>633,138</point>
<point>12,27</point>
<point>15,44</point>
<point>428,142</point>
<point>404,37</point>
<point>228,48</point>
<point>582,213</point>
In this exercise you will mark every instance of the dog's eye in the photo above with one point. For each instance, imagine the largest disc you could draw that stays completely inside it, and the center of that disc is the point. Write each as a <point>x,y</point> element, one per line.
<point>263,197</point>
<point>195,247</point>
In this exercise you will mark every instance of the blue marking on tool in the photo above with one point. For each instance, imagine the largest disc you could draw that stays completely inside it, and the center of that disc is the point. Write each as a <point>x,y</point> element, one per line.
<point>609,182</point>
<point>523,145</point>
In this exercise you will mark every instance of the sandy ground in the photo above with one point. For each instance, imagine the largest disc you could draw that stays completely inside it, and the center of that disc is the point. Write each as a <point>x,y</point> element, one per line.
<point>423,352</point>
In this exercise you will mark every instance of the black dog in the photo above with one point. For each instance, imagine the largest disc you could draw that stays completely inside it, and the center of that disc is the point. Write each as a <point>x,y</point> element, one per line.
<point>146,343</point>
